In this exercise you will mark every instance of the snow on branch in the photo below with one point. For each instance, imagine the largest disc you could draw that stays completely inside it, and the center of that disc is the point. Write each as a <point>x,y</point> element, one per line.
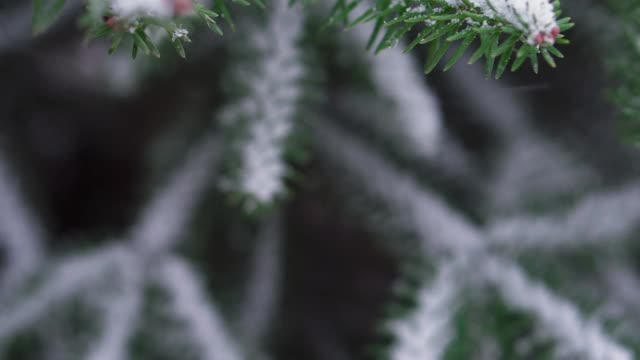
<point>623,300</point>
<point>601,217</point>
<point>559,318</point>
<point>367,112</point>
<point>439,226</point>
<point>65,280</point>
<point>21,236</point>
<point>165,217</point>
<point>120,314</point>
<point>160,225</point>
<point>189,302</point>
<point>263,287</point>
<point>536,18</point>
<point>397,77</point>
<point>144,7</point>
<point>267,114</point>
<point>426,332</point>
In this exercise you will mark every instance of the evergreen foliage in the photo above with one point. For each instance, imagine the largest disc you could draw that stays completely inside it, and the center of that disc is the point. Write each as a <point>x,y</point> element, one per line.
<point>515,248</point>
<point>525,29</point>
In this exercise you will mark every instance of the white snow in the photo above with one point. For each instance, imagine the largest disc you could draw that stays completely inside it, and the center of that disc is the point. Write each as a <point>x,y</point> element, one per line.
<point>270,109</point>
<point>164,219</point>
<point>534,17</point>
<point>600,218</point>
<point>190,302</point>
<point>264,284</point>
<point>21,237</point>
<point>441,228</point>
<point>127,8</point>
<point>425,333</point>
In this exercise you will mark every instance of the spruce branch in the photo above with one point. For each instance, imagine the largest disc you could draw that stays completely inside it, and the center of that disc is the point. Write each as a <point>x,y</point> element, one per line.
<point>425,332</point>
<point>525,29</point>
<point>264,284</point>
<point>395,76</point>
<point>190,302</point>
<point>597,219</point>
<point>120,314</point>
<point>463,240</point>
<point>65,280</point>
<point>559,318</point>
<point>145,251</point>
<point>21,235</point>
<point>261,123</point>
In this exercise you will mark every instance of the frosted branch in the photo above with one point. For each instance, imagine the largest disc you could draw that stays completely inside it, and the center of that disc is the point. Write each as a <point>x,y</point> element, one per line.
<point>622,286</point>
<point>367,112</point>
<point>270,109</point>
<point>264,284</point>
<point>398,78</point>
<point>602,217</point>
<point>438,227</point>
<point>559,318</point>
<point>536,18</point>
<point>120,315</point>
<point>20,234</point>
<point>70,277</point>
<point>426,332</point>
<point>165,217</point>
<point>189,301</point>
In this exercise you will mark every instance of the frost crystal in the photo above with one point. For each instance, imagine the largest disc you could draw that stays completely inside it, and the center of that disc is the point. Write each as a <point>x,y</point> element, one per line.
<point>179,33</point>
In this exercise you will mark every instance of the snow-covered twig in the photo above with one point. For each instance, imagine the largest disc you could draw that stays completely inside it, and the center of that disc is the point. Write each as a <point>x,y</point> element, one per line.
<point>164,219</point>
<point>601,217</point>
<point>65,280</point>
<point>268,113</point>
<point>441,227</point>
<point>426,332</point>
<point>264,283</point>
<point>536,18</point>
<point>397,77</point>
<point>559,318</point>
<point>159,227</point>
<point>189,302</point>
<point>120,314</point>
<point>449,160</point>
<point>20,234</point>
<point>623,300</point>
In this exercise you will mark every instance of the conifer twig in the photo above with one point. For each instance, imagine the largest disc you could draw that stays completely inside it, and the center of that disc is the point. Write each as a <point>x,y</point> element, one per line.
<point>459,237</point>
<point>263,286</point>
<point>189,301</point>
<point>20,234</point>
<point>601,217</point>
<point>426,332</point>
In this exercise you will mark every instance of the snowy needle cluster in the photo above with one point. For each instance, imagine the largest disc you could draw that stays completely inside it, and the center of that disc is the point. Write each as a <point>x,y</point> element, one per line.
<point>507,30</point>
